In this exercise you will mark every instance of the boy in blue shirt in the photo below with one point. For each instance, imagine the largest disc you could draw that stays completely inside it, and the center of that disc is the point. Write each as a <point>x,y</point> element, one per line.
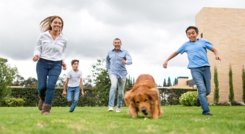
<point>196,50</point>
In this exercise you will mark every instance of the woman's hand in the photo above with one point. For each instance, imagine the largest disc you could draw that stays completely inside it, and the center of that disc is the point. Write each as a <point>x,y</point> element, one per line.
<point>63,65</point>
<point>35,58</point>
<point>82,93</point>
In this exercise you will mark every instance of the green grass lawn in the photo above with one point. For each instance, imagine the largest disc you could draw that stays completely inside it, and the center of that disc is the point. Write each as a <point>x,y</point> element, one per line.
<point>96,120</point>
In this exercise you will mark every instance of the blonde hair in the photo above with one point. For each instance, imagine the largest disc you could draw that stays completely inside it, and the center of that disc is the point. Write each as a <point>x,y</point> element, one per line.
<point>46,23</point>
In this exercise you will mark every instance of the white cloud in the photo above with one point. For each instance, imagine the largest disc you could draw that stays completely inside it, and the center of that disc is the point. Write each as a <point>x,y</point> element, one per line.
<point>150,31</point>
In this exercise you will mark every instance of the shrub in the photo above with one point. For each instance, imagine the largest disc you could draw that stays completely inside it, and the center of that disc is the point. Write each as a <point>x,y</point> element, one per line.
<point>189,99</point>
<point>243,83</point>
<point>231,91</point>
<point>216,86</point>
<point>12,102</point>
<point>170,96</point>
<point>91,98</point>
<point>30,96</point>
<point>7,75</point>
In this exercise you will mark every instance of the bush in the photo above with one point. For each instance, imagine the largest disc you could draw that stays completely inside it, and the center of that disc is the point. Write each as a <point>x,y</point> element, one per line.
<point>87,100</point>
<point>7,74</point>
<point>12,102</point>
<point>231,94</point>
<point>170,96</point>
<point>30,96</point>
<point>243,83</point>
<point>189,99</point>
<point>92,97</point>
<point>216,86</point>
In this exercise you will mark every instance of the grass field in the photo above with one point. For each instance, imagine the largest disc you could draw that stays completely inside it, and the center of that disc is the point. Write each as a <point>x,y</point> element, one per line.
<point>96,120</point>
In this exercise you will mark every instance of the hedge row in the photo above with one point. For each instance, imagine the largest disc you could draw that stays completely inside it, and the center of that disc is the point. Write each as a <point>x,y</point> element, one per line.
<point>167,96</point>
<point>30,95</point>
<point>170,96</point>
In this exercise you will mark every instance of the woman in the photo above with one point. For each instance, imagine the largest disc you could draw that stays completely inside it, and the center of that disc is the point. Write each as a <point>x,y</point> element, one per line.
<point>49,54</point>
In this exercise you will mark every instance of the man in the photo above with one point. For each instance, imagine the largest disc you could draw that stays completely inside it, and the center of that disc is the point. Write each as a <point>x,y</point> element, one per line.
<point>116,60</point>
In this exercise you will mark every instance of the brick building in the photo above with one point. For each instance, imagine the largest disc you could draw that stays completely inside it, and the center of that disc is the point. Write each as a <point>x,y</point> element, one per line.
<point>224,28</point>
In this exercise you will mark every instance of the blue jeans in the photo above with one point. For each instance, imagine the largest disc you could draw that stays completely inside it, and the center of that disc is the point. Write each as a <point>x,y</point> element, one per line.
<point>73,96</point>
<point>120,83</point>
<point>47,74</point>
<point>202,77</point>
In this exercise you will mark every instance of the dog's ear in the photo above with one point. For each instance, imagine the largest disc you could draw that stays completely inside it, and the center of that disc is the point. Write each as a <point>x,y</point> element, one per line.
<point>132,100</point>
<point>127,98</point>
<point>152,94</point>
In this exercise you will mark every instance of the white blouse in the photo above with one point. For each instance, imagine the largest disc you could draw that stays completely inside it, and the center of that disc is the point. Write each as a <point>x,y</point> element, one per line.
<point>50,49</point>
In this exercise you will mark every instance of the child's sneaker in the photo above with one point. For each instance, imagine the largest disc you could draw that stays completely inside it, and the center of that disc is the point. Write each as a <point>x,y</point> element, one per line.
<point>207,114</point>
<point>118,110</point>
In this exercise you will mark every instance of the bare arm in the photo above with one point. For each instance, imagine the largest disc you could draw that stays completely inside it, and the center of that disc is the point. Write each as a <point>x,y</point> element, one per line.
<point>81,87</point>
<point>165,64</point>
<point>65,86</point>
<point>217,57</point>
<point>63,65</point>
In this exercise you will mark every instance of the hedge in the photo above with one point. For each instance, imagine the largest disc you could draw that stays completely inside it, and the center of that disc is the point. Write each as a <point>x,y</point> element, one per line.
<point>12,102</point>
<point>30,95</point>
<point>168,96</point>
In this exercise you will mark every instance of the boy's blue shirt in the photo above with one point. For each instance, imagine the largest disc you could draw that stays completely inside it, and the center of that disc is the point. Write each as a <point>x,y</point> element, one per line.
<point>197,52</point>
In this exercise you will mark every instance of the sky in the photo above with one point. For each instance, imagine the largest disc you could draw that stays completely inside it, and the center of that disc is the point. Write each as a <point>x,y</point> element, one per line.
<point>150,30</point>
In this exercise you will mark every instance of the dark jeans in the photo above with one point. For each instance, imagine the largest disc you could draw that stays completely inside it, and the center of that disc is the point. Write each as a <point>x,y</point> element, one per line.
<point>202,77</point>
<point>47,75</point>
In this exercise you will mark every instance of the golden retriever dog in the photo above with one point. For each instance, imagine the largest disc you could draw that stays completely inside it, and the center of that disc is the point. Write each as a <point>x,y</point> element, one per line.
<point>143,97</point>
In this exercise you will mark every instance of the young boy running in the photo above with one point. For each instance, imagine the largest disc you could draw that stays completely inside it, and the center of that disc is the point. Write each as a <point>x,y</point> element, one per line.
<point>73,85</point>
<point>196,50</point>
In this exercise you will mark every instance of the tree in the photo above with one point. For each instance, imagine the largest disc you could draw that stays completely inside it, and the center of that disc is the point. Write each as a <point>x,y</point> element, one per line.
<point>169,82</point>
<point>87,82</point>
<point>231,94</point>
<point>7,75</point>
<point>129,83</point>
<point>18,80</point>
<point>175,81</point>
<point>30,82</point>
<point>243,83</point>
<point>216,86</point>
<point>101,80</point>
<point>164,83</point>
<point>61,81</point>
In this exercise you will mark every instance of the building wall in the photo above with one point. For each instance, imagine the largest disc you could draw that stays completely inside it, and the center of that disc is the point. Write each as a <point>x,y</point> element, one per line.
<point>182,82</point>
<point>225,29</point>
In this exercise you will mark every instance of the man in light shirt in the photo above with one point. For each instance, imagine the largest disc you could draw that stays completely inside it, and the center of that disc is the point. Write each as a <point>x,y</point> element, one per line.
<point>116,60</point>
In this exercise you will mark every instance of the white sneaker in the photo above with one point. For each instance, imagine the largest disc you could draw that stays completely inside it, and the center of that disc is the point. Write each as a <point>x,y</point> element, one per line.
<point>118,110</point>
<point>110,109</point>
